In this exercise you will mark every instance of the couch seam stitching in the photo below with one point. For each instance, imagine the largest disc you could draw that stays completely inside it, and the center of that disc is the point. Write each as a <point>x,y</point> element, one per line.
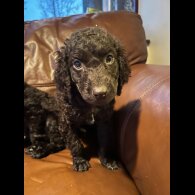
<point>44,85</point>
<point>152,87</point>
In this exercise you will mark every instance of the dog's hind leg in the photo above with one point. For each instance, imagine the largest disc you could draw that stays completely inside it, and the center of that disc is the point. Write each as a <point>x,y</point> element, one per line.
<point>56,141</point>
<point>38,138</point>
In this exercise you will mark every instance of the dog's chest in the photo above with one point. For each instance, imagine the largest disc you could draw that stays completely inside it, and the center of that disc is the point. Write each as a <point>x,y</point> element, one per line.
<point>87,117</point>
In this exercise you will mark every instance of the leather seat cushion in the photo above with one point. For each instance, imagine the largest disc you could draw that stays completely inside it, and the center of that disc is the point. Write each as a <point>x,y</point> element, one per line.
<point>54,175</point>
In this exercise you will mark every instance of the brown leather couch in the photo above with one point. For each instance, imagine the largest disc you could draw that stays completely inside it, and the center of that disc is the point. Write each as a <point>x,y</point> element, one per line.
<point>142,118</point>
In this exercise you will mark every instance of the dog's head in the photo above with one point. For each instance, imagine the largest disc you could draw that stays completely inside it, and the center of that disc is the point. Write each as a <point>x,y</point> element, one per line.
<point>94,62</point>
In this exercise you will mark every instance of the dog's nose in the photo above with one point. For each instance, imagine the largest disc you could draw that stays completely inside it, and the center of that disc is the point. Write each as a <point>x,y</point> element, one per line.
<point>100,92</point>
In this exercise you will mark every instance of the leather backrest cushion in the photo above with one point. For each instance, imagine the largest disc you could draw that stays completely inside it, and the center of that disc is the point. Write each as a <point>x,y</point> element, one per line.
<point>43,37</point>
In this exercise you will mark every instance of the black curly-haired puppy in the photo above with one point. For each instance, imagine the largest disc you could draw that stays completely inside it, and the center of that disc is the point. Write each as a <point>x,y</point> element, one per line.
<point>91,70</point>
<point>41,134</point>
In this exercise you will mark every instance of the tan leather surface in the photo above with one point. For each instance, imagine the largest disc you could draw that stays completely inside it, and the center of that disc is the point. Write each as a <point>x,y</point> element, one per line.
<point>143,123</point>
<point>43,37</point>
<point>53,175</point>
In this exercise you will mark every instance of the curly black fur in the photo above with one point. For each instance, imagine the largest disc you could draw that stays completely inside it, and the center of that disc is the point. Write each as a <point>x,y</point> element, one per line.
<point>91,70</point>
<point>41,133</point>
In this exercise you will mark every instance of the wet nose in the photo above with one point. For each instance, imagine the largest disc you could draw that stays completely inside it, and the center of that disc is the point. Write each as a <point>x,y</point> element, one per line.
<point>100,92</point>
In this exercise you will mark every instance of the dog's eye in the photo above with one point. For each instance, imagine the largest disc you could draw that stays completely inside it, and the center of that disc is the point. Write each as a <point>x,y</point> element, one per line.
<point>109,59</point>
<point>77,64</point>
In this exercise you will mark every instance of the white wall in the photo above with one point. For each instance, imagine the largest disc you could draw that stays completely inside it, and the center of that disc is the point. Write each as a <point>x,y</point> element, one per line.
<point>156,21</point>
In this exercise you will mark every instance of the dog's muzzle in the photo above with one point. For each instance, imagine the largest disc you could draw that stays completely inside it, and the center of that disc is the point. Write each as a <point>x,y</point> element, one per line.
<point>100,92</point>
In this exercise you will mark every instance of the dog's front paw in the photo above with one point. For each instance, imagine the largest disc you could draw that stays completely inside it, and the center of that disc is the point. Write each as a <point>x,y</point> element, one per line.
<point>80,164</point>
<point>109,164</point>
<point>37,151</point>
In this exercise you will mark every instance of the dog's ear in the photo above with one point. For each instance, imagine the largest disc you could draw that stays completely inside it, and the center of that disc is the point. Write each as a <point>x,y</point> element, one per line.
<point>61,73</point>
<point>124,69</point>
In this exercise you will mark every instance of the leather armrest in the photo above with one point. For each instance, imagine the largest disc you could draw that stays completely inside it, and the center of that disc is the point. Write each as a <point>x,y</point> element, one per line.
<point>143,127</point>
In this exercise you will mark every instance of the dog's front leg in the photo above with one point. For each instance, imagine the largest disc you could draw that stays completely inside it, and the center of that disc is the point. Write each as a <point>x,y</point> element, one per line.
<point>77,150</point>
<point>106,144</point>
<point>76,147</point>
